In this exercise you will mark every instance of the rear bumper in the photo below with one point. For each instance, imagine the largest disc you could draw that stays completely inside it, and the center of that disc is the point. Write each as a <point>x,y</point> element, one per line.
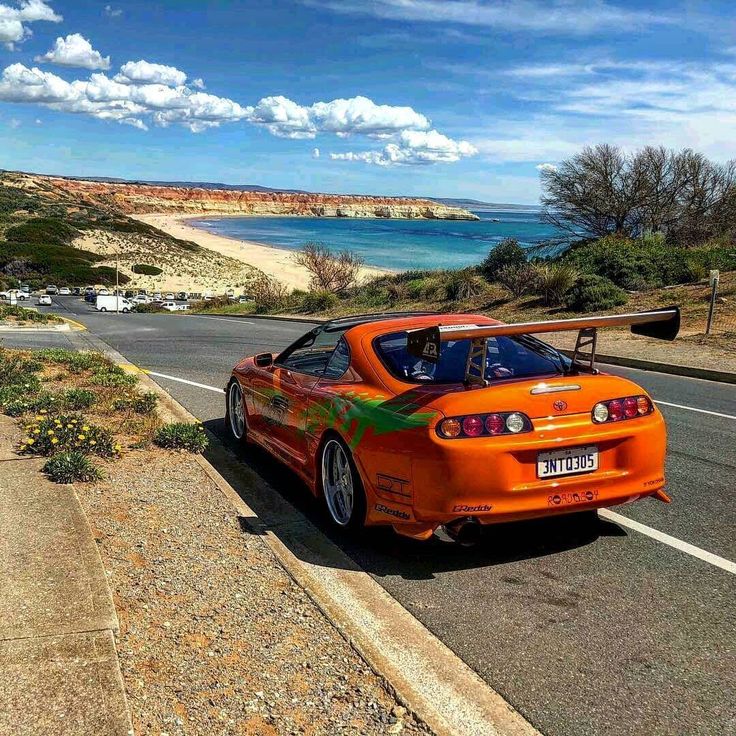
<point>495,479</point>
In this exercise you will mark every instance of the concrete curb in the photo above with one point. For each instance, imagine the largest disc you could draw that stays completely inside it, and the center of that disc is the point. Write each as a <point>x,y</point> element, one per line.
<point>276,317</point>
<point>673,369</point>
<point>421,671</point>
<point>55,328</point>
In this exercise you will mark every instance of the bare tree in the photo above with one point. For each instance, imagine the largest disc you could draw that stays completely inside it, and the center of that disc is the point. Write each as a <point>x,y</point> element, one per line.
<point>328,271</point>
<point>601,190</point>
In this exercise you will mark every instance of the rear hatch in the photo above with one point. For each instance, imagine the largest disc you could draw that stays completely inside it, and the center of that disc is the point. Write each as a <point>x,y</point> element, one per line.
<point>537,398</point>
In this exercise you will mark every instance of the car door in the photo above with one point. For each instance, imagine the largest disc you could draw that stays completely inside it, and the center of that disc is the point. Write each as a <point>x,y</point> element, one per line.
<point>295,374</point>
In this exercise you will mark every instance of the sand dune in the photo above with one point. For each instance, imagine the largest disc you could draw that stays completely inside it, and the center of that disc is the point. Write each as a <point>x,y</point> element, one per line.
<point>276,262</point>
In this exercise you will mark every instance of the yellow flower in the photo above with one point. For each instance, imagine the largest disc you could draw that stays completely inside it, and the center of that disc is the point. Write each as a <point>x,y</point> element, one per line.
<point>54,440</point>
<point>43,411</point>
<point>36,431</point>
<point>85,428</point>
<point>39,418</point>
<point>69,426</point>
<point>92,442</point>
<point>31,441</point>
<point>117,448</point>
<point>81,436</point>
<point>50,433</point>
<point>57,423</point>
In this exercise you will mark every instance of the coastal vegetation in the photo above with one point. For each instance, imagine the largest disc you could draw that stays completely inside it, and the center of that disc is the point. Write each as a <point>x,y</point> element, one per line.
<point>52,234</point>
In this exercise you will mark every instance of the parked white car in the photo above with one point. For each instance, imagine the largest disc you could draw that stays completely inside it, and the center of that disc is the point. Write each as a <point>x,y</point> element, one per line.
<point>14,294</point>
<point>103,292</point>
<point>170,306</point>
<point>44,300</point>
<point>65,291</point>
<point>140,299</point>
<point>109,303</point>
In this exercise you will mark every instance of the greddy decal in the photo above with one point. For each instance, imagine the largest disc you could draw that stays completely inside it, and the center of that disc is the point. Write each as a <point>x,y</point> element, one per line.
<point>566,499</point>
<point>391,512</point>
<point>463,509</point>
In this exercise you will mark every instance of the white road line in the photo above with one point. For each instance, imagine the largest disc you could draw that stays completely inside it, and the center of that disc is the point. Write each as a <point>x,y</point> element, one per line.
<point>685,547</point>
<point>692,408</point>
<point>220,319</point>
<point>184,380</point>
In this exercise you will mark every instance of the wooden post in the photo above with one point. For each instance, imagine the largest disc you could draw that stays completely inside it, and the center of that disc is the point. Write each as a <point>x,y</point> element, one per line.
<point>714,277</point>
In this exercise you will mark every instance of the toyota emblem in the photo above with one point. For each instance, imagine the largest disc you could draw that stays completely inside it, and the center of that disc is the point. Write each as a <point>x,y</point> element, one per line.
<point>560,405</point>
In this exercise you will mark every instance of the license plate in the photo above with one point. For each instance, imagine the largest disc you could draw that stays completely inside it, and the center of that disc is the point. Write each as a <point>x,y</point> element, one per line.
<point>571,461</point>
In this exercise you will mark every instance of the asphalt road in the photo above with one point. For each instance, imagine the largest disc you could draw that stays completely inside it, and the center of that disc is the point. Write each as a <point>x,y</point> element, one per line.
<point>585,629</point>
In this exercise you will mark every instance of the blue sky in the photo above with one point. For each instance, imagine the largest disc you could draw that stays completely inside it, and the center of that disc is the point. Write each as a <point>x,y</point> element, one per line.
<point>456,98</point>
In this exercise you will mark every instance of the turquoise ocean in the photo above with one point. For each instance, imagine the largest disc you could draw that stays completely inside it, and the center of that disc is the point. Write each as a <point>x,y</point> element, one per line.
<point>393,244</point>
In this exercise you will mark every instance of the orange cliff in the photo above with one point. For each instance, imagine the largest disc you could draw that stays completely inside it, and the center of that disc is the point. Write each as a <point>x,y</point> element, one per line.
<point>147,198</point>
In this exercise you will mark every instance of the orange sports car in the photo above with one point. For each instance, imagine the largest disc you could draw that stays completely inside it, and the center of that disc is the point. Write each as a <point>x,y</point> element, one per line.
<point>420,420</point>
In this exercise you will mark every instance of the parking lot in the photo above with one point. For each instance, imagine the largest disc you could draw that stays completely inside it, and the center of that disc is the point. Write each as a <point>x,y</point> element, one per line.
<point>604,630</point>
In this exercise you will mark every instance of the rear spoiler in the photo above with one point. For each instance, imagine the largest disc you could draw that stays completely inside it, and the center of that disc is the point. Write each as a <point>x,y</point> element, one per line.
<point>426,342</point>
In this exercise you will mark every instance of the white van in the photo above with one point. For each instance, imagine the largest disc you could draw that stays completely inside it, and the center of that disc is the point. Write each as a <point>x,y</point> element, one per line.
<point>109,303</point>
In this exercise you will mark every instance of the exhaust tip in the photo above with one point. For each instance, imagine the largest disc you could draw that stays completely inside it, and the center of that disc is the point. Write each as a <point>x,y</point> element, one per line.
<point>466,531</point>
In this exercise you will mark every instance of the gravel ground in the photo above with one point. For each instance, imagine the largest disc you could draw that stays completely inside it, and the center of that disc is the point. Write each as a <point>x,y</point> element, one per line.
<point>215,638</point>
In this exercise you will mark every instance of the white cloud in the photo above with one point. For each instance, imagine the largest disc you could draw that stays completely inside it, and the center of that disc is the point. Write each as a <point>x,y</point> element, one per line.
<point>546,167</point>
<point>107,99</point>
<point>198,83</point>
<point>285,118</point>
<point>144,94</point>
<point>563,17</point>
<point>413,148</point>
<point>75,51</point>
<point>14,20</point>
<point>143,72</point>
<point>111,12</point>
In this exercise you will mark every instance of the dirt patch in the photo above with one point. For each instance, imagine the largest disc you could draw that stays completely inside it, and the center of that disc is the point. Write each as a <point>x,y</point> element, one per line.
<point>215,637</point>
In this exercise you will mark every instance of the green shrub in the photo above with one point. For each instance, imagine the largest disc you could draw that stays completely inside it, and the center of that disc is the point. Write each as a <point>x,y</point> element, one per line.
<point>461,285</point>
<point>147,270</point>
<point>78,398</point>
<point>319,301</point>
<point>68,467</point>
<point>153,307</point>
<point>42,231</point>
<point>16,369</point>
<point>74,360</point>
<point>182,436</point>
<point>25,315</point>
<point>112,376</point>
<point>634,264</point>
<point>48,434</point>
<point>508,253</point>
<point>140,403</point>
<point>593,293</point>
<point>553,280</point>
<point>518,279</point>
<point>41,401</point>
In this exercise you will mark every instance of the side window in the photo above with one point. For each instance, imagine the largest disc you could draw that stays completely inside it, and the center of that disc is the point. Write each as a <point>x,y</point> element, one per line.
<point>340,360</point>
<point>312,353</point>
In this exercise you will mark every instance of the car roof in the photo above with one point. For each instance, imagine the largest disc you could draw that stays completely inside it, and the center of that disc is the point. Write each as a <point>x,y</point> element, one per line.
<point>344,323</point>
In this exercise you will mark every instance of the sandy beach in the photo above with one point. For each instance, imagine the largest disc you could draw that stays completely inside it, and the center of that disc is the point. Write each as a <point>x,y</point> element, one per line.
<point>276,262</point>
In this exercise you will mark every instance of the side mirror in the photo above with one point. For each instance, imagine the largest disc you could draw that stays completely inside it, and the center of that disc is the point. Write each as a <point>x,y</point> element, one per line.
<point>263,360</point>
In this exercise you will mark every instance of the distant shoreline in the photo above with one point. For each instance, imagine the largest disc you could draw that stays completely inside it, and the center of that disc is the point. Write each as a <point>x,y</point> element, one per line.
<point>273,260</point>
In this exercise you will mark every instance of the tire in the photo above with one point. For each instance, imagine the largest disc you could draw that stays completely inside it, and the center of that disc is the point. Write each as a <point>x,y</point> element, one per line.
<point>126,310</point>
<point>236,422</point>
<point>103,309</point>
<point>340,484</point>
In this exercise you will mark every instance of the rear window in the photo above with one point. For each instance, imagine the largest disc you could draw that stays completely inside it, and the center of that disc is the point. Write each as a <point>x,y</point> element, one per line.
<point>508,357</point>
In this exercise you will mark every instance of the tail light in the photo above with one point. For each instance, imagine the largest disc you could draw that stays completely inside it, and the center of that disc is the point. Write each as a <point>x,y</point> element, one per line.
<point>484,425</point>
<point>616,410</point>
